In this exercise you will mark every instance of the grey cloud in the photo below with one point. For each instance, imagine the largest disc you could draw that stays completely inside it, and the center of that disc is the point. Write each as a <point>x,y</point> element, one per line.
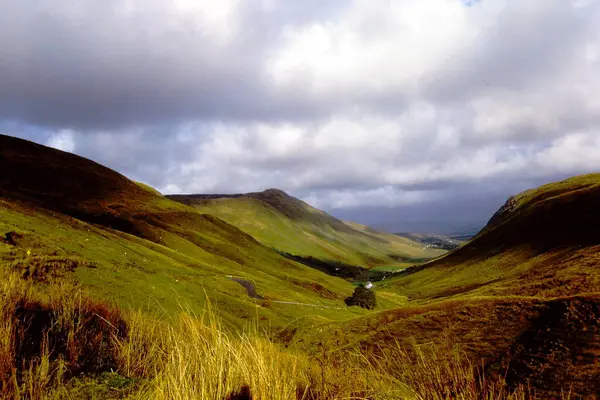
<point>92,65</point>
<point>451,210</point>
<point>153,95</point>
<point>527,43</point>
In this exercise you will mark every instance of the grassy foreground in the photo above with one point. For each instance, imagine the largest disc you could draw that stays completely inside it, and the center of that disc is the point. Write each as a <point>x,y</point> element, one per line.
<point>57,343</point>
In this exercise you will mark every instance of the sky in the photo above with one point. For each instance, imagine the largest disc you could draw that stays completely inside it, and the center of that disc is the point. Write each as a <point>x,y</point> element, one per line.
<point>406,115</point>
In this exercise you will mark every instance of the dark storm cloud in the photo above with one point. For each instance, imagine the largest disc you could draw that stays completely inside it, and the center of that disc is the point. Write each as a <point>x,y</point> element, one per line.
<point>457,210</point>
<point>104,65</point>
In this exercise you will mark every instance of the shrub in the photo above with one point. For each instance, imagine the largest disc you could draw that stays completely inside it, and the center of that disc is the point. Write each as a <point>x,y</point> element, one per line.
<point>362,297</point>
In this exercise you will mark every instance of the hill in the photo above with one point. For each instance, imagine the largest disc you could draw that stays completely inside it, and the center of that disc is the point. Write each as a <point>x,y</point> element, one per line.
<point>296,229</point>
<point>520,300</point>
<point>523,296</point>
<point>64,215</point>
<point>549,345</point>
<point>542,242</point>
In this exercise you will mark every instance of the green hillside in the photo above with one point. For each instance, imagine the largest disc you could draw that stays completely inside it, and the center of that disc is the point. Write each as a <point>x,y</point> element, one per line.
<point>104,281</point>
<point>291,226</point>
<point>125,242</point>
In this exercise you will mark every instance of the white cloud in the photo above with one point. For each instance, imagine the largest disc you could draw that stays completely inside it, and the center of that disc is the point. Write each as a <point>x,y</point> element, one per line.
<point>373,47</point>
<point>573,152</point>
<point>63,140</point>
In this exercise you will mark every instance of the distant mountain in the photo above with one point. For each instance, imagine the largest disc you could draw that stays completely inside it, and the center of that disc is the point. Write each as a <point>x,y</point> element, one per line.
<point>294,228</point>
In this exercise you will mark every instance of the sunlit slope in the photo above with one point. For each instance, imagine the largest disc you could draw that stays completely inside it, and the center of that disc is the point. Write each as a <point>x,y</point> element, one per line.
<point>124,241</point>
<point>290,225</point>
<point>543,242</point>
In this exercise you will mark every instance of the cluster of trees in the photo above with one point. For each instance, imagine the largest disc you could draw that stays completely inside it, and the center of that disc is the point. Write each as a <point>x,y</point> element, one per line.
<point>362,297</point>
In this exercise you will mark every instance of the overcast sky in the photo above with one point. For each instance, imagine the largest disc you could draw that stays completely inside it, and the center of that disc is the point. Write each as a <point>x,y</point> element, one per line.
<point>407,115</point>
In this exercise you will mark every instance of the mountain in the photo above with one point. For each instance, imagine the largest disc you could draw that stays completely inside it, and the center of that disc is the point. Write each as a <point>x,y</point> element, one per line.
<point>125,242</point>
<point>522,296</point>
<point>294,228</point>
<point>521,299</point>
<point>542,242</point>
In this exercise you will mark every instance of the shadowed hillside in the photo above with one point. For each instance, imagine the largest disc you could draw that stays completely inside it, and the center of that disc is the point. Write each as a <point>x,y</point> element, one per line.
<point>542,242</point>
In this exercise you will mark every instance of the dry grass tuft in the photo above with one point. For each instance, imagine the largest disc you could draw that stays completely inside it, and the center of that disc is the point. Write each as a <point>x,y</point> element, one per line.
<point>45,340</point>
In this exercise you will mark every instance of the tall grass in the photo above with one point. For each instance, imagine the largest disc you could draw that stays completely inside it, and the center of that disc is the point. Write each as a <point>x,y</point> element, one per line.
<point>426,372</point>
<point>195,357</point>
<point>49,336</point>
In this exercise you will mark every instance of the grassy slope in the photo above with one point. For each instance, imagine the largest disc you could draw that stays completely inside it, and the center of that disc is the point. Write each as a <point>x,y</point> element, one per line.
<point>147,250</point>
<point>526,289</point>
<point>292,226</point>
<point>522,290</point>
<point>543,242</point>
<point>550,344</point>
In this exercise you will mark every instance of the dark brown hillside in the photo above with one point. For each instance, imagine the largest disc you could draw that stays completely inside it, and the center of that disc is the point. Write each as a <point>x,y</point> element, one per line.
<point>566,216</point>
<point>548,345</point>
<point>59,180</point>
<point>72,185</point>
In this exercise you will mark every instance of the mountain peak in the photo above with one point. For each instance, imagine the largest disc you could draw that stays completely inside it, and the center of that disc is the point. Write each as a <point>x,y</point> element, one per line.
<point>275,192</point>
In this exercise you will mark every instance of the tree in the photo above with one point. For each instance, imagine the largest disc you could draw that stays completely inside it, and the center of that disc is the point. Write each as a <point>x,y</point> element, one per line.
<point>362,297</point>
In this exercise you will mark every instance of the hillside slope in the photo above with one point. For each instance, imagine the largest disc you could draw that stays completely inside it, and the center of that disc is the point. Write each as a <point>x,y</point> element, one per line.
<point>549,345</point>
<point>542,242</point>
<point>523,296</point>
<point>65,215</point>
<point>291,226</point>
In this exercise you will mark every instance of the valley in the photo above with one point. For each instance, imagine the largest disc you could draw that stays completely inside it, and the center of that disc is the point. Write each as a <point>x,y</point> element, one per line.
<point>266,274</point>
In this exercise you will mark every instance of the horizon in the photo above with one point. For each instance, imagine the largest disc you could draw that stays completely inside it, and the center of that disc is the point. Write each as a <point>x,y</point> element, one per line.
<point>408,117</point>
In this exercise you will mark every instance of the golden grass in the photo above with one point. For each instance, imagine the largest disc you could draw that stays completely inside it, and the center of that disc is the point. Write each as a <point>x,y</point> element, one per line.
<point>47,336</point>
<point>195,357</point>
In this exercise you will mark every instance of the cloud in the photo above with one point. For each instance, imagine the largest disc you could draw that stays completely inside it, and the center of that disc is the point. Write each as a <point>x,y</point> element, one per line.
<point>114,64</point>
<point>357,106</point>
<point>63,140</point>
